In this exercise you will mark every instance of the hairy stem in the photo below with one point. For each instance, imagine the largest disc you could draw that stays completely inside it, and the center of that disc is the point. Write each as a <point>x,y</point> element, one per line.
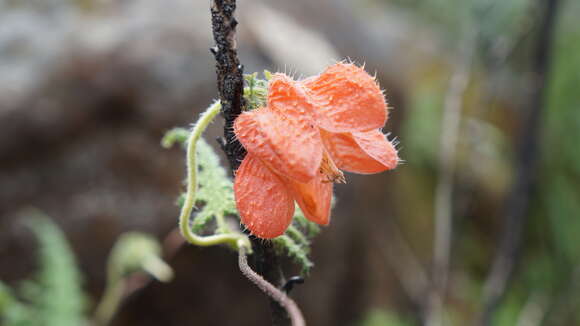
<point>185,216</point>
<point>273,292</point>
<point>109,303</point>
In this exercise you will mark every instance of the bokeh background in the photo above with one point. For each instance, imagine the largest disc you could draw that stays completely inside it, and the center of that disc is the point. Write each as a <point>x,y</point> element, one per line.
<point>485,104</point>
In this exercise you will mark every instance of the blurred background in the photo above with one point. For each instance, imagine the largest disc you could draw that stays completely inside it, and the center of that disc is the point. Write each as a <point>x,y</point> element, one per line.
<point>479,226</point>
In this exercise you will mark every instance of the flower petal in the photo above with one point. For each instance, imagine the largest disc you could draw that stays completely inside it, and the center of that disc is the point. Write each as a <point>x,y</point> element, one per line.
<point>290,146</point>
<point>287,97</point>
<point>346,99</point>
<point>314,198</point>
<point>361,152</point>
<point>264,202</point>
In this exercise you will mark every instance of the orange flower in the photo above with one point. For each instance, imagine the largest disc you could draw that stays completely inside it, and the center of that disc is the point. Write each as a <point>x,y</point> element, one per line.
<point>297,143</point>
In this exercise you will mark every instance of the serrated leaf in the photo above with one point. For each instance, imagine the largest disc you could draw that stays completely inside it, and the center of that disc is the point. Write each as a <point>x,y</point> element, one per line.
<point>309,228</point>
<point>295,243</point>
<point>299,253</point>
<point>297,236</point>
<point>215,193</point>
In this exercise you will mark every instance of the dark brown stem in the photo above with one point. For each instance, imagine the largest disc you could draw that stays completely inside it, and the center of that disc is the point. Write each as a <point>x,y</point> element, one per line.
<point>266,263</point>
<point>517,202</point>
<point>230,79</point>
<point>230,84</point>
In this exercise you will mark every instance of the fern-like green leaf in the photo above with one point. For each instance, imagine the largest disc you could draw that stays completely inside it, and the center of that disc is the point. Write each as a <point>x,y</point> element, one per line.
<point>307,227</point>
<point>215,195</point>
<point>175,135</point>
<point>299,253</point>
<point>56,295</point>
<point>295,243</point>
<point>12,311</point>
<point>216,192</point>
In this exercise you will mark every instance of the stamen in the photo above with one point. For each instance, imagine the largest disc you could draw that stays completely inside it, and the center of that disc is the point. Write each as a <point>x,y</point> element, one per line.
<point>329,169</point>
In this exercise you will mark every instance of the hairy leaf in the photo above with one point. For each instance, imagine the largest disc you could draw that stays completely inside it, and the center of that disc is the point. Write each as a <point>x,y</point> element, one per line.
<point>215,191</point>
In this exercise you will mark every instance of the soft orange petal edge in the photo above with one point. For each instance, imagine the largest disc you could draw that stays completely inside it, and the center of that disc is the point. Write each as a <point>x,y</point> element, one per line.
<point>346,99</point>
<point>314,198</point>
<point>366,152</point>
<point>264,202</point>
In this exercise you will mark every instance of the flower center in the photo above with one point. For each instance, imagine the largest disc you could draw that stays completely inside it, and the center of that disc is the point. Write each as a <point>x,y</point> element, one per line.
<point>329,169</point>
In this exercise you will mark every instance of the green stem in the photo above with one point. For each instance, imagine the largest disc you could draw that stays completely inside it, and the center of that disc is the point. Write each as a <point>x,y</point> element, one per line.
<point>190,197</point>
<point>222,227</point>
<point>158,268</point>
<point>110,302</point>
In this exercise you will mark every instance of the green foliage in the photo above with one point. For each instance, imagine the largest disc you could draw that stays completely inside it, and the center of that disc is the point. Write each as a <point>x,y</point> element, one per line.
<point>215,199</point>
<point>12,311</point>
<point>175,135</point>
<point>135,251</point>
<point>424,115</point>
<point>309,229</point>
<point>561,170</point>
<point>295,243</point>
<point>501,18</point>
<point>506,34</point>
<point>563,205</point>
<point>57,295</point>
<point>378,317</point>
<point>447,15</point>
<point>257,90</point>
<point>215,195</point>
<point>298,252</point>
<point>54,297</point>
<point>508,313</point>
<point>556,223</point>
